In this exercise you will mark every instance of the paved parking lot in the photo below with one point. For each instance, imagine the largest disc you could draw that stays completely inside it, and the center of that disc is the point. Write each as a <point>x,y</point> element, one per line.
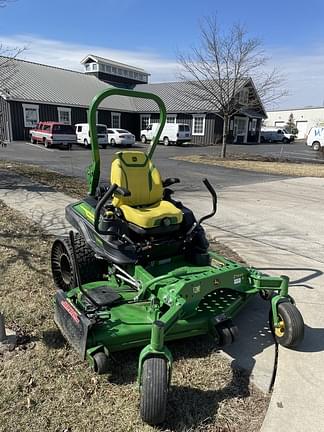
<point>296,150</point>
<point>76,161</point>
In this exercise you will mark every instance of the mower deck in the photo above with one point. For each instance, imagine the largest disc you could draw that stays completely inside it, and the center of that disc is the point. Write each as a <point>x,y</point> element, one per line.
<point>127,321</point>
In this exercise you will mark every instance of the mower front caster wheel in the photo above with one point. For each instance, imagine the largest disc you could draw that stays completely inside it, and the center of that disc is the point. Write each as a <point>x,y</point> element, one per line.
<point>154,390</point>
<point>100,363</point>
<point>291,325</point>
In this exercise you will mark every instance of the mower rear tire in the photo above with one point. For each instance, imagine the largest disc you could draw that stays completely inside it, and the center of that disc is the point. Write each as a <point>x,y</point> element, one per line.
<point>291,330</point>
<point>154,390</point>
<point>91,269</point>
<point>100,363</point>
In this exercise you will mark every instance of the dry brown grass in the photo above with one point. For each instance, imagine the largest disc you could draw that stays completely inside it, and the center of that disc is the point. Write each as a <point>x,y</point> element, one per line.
<point>45,387</point>
<point>265,166</point>
<point>72,186</point>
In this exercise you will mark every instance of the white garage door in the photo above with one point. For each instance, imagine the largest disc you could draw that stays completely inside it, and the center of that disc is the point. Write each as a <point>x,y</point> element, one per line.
<point>280,124</point>
<point>302,129</point>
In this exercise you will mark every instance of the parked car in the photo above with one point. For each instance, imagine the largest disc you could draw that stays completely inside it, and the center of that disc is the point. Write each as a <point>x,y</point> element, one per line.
<point>172,133</point>
<point>52,134</point>
<point>276,135</point>
<point>315,138</point>
<point>83,134</point>
<point>120,137</point>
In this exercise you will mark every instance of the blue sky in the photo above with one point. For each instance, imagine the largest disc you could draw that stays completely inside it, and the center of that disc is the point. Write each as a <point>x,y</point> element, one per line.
<point>149,33</point>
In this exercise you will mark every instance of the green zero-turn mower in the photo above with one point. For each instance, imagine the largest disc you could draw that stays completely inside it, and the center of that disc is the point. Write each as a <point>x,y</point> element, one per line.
<point>138,273</point>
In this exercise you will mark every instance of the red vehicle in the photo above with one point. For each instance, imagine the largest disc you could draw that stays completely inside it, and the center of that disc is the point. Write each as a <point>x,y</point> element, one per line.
<point>53,133</point>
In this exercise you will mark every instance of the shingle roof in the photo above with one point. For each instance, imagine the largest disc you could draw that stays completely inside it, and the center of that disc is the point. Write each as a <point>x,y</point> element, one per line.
<point>34,82</point>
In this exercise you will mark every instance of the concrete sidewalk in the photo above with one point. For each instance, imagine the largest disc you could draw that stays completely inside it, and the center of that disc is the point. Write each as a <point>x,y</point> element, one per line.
<point>278,227</point>
<point>275,227</point>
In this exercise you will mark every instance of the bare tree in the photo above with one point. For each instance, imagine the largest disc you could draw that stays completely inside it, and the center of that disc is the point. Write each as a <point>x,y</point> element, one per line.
<point>8,70</point>
<point>222,66</point>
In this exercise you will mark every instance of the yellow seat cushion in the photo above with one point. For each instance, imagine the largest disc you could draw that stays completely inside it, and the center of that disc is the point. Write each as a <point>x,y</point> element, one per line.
<point>144,207</point>
<point>152,216</point>
<point>134,171</point>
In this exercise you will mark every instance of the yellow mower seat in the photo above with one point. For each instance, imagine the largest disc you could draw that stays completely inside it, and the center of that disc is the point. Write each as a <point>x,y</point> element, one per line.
<point>144,207</point>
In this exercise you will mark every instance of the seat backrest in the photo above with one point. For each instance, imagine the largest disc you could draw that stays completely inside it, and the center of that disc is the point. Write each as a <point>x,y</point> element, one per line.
<point>134,171</point>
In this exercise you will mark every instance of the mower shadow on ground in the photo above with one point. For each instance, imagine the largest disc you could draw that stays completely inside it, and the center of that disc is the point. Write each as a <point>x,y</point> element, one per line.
<point>313,340</point>
<point>308,274</point>
<point>53,339</point>
<point>254,337</point>
<point>124,364</point>
<point>190,407</point>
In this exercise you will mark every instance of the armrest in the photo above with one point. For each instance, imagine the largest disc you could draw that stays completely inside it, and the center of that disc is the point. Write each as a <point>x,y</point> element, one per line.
<point>122,191</point>
<point>170,181</point>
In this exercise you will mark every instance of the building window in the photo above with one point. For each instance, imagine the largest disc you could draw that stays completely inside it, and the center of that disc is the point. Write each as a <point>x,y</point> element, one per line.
<point>253,125</point>
<point>115,120</point>
<point>171,118</point>
<point>31,115</point>
<point>64,115</point>
<point>198,127</point>
<point>87,67</point>
<point>244,96</point>
<point>94,66</point>
<point>145,121</point>
<point>240,126</point>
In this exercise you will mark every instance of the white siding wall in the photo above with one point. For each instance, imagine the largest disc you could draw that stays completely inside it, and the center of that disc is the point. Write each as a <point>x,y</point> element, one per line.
<point>304,118</point>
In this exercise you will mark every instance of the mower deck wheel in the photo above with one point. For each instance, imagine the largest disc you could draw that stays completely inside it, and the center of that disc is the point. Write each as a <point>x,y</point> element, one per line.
<point>227,332</point>
<point>225,336</point>
<point>100,363</point>
<point>291,325</point>
<point>154,390</point>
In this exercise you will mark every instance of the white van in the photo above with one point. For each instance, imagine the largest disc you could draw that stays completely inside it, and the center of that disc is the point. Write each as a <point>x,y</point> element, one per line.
<point>172,133</point>
<point>274,135</point>
<point>83,134</point>
<point>315,138</point>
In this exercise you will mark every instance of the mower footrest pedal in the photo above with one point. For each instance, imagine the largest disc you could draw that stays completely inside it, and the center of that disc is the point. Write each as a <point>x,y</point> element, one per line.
<point>103,296</point>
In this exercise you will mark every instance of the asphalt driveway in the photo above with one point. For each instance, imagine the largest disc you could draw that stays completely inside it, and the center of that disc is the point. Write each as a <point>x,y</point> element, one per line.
<point>76,161</point>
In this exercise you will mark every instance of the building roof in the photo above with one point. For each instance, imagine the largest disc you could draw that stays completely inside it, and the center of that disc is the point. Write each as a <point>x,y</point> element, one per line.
<point>308,107</point>
<point>99,59</point>
<point>34,82</point>
<point>180,96</point>
<point>38,83</point>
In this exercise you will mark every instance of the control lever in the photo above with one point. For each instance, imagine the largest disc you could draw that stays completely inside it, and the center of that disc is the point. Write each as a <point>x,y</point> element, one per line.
<point>213,193</point>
